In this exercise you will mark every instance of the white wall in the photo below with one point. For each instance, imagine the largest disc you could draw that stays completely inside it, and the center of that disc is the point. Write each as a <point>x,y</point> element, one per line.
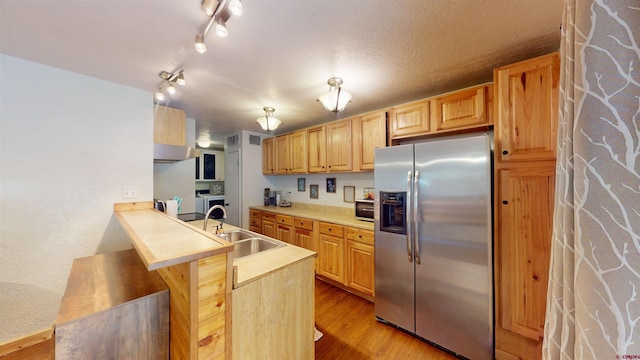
<point>69,144</point>
<point>289,183</point>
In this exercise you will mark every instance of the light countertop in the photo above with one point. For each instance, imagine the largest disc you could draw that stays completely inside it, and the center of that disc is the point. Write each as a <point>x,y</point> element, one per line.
<point>253,267</point>
<point>162,240</point>
<point>332,214</point>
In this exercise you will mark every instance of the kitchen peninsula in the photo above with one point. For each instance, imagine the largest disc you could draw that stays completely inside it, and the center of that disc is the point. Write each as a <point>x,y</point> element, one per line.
<point>209,288</point>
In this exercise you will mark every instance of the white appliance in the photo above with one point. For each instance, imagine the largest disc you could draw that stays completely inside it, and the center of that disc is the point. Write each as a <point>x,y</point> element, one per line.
<point>434,244</point>
<point>211,200</point>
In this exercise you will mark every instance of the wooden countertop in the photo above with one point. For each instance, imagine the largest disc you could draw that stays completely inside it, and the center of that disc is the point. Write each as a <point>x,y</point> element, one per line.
<point>254,267</point>
<point>100,282</point>
<point>162,240</point>
<point>333,214</point>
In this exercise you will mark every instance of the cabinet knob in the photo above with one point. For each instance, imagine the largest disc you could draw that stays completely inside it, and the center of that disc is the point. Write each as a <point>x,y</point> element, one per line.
<point>505,202</point>
<point>505,152</point>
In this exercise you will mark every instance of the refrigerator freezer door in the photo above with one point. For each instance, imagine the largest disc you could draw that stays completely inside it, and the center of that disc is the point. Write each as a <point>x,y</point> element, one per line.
<point>454,294</point>
<point>394,274</point>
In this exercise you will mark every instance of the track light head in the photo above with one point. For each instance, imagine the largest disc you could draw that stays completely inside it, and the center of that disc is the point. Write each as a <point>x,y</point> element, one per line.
<point>201,47</point>
<point>235,6</point>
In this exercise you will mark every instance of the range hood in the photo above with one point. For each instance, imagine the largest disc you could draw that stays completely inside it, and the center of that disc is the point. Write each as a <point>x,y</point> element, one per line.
<point>164,153</point>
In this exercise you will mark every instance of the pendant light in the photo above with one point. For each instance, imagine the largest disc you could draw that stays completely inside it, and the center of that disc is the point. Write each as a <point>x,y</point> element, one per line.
<point>268,122</point>
<point>337,98</point>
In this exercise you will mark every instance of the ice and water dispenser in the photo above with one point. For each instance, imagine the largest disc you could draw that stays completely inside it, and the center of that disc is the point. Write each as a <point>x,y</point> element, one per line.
<point>393,212</point>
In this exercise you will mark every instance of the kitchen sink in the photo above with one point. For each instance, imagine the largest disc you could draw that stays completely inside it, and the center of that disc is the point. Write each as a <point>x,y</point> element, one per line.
<point>247,242</point>
<point>254,245</point>
<point>237,235</point>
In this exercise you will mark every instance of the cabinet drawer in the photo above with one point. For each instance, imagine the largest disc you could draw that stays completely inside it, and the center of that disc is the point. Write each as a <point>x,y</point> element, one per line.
<point>255,213</point>
<point>253,221</point>
<point>284,219</point>
<point>302,223</point>
<point>360,235</point>
<point>269,216</point>
<point>331,229</point>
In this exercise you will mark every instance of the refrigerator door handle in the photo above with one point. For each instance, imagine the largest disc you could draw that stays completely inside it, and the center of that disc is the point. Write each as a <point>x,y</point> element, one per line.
<point>408,219</point>
<point>416,239</point>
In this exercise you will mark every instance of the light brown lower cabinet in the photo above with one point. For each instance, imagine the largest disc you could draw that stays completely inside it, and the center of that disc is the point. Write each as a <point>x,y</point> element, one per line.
<point>331,252</point>
<point>273,317</point>
<point>269,224</point>
<point>345,254</point>
<point>524,215</point>
<point>360,260</point>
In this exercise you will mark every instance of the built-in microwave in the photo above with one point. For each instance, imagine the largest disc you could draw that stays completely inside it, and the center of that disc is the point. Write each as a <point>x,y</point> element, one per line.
<point>364,210</point>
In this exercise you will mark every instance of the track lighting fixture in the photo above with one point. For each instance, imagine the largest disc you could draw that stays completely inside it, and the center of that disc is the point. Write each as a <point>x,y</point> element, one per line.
<point>236,7</point>
<point>168,83</point>
<point>220,11</point>
<point>268,122</point>
<point>209,6</point>
<point>337,98</point>
<point>221,28</point>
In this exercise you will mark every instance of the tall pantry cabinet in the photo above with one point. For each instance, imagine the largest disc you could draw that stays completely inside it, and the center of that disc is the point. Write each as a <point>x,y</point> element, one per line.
<point>526,100</point>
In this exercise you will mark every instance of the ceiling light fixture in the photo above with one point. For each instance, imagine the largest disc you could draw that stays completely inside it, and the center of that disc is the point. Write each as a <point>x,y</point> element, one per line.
<point>268,122</point>
<point>221,28</point>
<point>236,7</point>
<point>337,98</point>
<point>219,18</point>
<point>168,81</point>
<point>209,6</point>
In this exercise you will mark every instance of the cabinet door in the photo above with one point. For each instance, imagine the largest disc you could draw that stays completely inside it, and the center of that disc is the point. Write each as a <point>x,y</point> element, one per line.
<point>298,151</point>
<point>460,109</point>
<point>219,165</point>
<point>283,155</point>
<point>268,228</point>
<point>360,263</point>
<point>339,149</point>
<point>331,256</point>
<point>527,107</point>
<point>410,119</point>
<point>317,149</point>
<point>268,157</point>
<point>169,126</point>
<point>285,233</point>
<point>304,239</point>
<point>370,132</point>
<point>525,216</point>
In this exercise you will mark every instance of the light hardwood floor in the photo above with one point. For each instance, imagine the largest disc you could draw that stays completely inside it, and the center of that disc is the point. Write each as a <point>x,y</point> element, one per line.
<point>349,327</point>
<point>352,332</point>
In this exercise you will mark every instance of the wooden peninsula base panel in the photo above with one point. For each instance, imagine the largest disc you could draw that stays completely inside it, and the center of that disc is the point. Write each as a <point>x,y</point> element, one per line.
<point>113,308</point>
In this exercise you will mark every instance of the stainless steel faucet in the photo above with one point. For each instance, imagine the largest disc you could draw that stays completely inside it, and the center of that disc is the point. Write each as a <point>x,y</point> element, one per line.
<point>206,217</point>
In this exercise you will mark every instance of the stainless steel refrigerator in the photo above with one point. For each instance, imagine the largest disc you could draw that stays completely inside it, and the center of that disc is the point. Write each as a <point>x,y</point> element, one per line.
<point>434,242</point>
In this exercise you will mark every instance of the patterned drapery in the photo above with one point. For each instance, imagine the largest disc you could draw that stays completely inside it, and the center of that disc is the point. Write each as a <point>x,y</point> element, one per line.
<point>593,305</point>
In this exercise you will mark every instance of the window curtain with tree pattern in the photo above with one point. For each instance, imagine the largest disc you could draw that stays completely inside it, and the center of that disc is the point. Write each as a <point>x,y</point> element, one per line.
<point>593,305</point>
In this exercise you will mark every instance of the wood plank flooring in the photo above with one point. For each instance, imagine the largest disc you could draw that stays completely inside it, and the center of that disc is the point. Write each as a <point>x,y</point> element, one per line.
<point>349,327</point>
<point>352,332</point>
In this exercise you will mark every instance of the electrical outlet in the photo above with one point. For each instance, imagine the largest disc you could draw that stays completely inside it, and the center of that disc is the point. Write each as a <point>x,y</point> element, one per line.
<point>129,193</point>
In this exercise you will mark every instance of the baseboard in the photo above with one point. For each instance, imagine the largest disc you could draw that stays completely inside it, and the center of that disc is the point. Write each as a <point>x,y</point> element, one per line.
<point>25,341</point>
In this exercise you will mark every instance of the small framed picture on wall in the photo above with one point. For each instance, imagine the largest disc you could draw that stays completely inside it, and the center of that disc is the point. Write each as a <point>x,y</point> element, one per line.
<point>331,185</point>
<point>301,184</point>
<point>313,191</point>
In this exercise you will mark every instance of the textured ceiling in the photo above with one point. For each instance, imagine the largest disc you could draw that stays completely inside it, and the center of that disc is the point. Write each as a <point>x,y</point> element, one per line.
<point>280,53</point>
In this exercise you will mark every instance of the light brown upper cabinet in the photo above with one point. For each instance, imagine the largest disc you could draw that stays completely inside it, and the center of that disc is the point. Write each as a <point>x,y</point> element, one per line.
<point>369,133</point>
<point>291,153</point>
<point>268,157</point>
<point>409,119</point>
<point>169,126</point>
<point>317,149</point>
<point>526,109</point>
<point>339,148</point>
<point>460,109</point>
